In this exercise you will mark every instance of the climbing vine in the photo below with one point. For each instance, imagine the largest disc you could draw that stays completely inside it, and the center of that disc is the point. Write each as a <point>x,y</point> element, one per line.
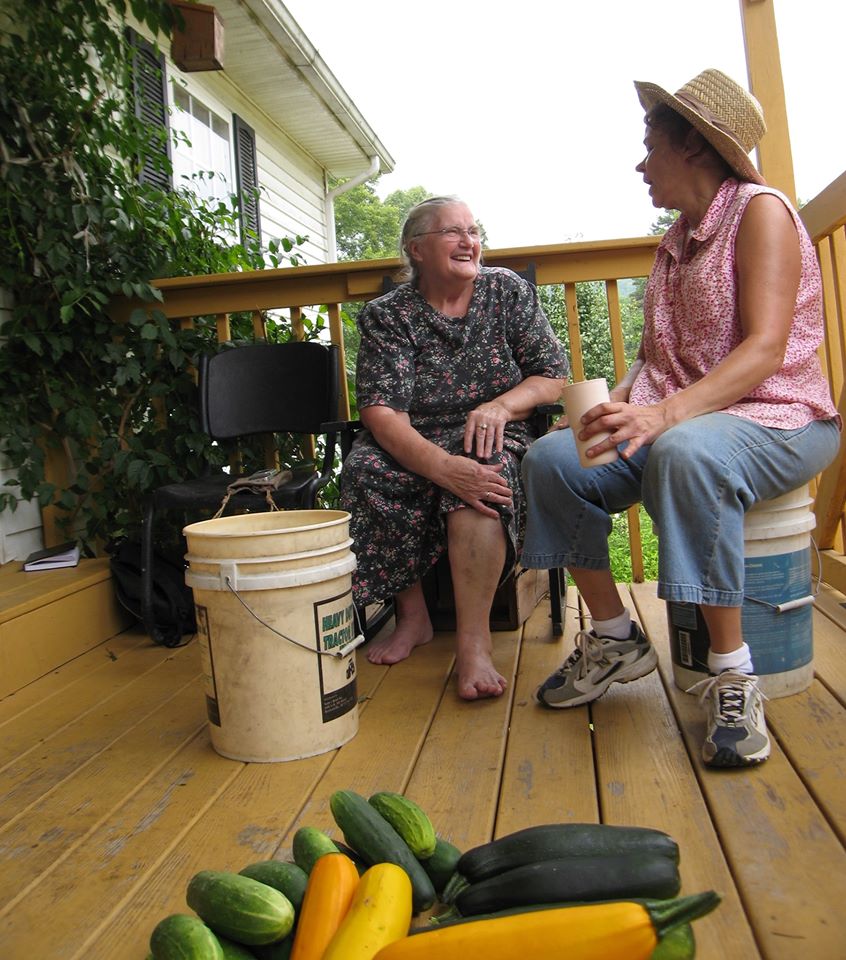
<point>78,229</point>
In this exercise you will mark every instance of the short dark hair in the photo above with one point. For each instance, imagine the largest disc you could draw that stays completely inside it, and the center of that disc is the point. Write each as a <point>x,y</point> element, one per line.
<point>670,122</point>
<point>677,130</point>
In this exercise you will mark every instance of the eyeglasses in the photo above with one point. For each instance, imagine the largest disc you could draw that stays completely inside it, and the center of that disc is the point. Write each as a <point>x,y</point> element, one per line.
<point>454,233</point>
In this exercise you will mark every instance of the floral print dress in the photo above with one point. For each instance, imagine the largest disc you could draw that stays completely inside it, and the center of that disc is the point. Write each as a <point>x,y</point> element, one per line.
<point>437,369</point>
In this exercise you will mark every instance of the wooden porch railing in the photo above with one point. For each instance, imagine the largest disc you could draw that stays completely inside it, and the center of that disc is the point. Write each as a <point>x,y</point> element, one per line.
<point>825,219</point>
<point>295,289</point>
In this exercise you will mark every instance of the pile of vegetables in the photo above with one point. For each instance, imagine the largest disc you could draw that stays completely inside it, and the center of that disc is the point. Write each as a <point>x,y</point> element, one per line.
<point>590,890</point>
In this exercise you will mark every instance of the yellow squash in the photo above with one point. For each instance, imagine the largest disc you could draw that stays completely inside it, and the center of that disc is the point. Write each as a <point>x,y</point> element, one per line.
<point>600,931</point>
<point>379,914</point>
<point>328,894</point>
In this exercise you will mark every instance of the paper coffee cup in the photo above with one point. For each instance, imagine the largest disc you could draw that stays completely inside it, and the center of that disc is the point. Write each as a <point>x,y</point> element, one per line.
<point>578,398</point>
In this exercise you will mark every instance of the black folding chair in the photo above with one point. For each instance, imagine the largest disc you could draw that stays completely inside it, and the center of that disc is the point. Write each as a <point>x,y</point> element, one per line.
<point>290,388</point>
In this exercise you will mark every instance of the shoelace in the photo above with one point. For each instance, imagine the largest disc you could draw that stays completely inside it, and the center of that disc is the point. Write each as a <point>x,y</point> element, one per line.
<point>588,649</point>
<point>732,694</point>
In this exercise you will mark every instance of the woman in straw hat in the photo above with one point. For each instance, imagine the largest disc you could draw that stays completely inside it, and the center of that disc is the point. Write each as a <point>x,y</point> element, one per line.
<point>724,406</point>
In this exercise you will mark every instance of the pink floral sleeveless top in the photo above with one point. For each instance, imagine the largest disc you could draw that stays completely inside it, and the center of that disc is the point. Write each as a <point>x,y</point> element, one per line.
<point>691,318</point>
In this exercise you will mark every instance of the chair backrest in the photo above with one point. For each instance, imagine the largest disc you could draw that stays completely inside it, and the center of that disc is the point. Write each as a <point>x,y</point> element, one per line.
<point>269,388</point>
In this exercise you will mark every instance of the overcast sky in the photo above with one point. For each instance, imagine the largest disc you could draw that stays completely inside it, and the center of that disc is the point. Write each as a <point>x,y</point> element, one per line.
<point>527,109</point>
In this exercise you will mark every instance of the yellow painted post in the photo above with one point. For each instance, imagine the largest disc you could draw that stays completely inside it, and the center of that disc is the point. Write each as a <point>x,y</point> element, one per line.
<point>577,363</point>
<point>336,334</point>
<point>763,65</point>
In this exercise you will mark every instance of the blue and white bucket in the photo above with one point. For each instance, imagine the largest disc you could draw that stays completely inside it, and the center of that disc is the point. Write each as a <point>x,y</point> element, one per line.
<point>778,605</point>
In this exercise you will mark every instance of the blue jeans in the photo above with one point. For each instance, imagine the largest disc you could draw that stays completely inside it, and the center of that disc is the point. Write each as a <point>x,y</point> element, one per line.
<point>696,482</point>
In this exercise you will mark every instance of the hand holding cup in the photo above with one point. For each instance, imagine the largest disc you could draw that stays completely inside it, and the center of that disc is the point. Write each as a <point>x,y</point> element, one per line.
<point>578,398</point>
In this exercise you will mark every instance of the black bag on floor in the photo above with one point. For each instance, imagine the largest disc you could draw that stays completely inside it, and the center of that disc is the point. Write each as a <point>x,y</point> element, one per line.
<point>173,601</point>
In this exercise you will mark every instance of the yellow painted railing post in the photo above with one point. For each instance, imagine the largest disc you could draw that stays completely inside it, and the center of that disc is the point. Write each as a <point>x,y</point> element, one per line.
<point>763,65</point>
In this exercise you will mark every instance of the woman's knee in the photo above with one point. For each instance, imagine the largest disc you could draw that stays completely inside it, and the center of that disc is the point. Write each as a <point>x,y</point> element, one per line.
<point>685,451</point>
<point>547,457</point>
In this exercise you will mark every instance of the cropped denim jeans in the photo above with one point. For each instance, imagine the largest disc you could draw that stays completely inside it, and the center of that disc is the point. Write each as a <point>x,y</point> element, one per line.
<point>696,482</point>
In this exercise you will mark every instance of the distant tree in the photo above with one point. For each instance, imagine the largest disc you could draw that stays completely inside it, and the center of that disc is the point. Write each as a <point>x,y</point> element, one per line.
<point>594,325</point>
<point>367,228</point>
<point>659,228</point>
<point>663,223</point>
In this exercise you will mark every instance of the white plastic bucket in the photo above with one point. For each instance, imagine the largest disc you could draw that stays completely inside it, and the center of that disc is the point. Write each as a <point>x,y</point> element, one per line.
<point>778,604</point>
<point>273,697</point>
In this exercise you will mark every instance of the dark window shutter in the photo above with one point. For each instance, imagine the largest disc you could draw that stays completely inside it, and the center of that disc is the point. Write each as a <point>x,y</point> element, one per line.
<point>246,172</point>
<point>150,101</point>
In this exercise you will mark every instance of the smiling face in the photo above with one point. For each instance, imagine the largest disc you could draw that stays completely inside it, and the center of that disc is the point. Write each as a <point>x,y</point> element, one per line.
<point>441,258</point>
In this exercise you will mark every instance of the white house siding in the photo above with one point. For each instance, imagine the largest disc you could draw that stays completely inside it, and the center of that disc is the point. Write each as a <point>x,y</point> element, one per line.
<point>20,530</point>
<point>292,183</point>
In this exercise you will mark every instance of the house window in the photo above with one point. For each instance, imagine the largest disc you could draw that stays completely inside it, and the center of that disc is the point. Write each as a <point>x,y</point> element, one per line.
<point>202,155</point>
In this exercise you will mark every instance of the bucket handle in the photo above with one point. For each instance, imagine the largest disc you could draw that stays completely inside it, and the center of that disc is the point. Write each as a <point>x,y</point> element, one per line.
<point>338,654</point>
<point>799,601</point>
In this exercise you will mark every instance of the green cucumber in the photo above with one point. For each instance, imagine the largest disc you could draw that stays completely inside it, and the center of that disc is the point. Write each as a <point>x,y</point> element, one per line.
<point>367,831</point>
<point>182,937</point>
<point>614,877</point>
<point>441,865</point>
<point>240,908</point>
<point>552,841</point>
<point>409,821</point>
<point>309,845</point>
<point>287,878</point>
<point>678,943</point>
<point>275,951</point>
<point>235,951</point>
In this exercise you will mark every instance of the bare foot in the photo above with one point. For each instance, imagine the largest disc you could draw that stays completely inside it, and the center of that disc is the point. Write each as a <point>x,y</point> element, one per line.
<point>400,643</point>
<point>477,676</point>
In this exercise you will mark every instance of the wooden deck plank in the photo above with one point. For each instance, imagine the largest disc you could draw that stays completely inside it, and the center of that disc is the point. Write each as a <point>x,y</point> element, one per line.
<point>661,780</point>
<point>789,867</point>
<point>811,730</point>
<point>30,777</point>
<point>830,641</point>
<point>95,885</point>
<point>16,704</point>
<point>387,747</point>
<point>40,710</point>
<point>458,772</point>
<point>55,826</point>
<point>548,774</point>
<point>147,804</point>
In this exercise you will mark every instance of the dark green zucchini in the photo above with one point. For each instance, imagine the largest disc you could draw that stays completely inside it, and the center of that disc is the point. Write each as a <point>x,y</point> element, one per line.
<point>551,841</point>
<point>360,863</point>
<point>615,877</point>
<point>368,832</point>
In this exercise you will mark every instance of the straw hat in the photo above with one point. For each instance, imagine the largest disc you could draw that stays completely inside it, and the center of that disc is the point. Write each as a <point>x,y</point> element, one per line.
<point>728,116</point>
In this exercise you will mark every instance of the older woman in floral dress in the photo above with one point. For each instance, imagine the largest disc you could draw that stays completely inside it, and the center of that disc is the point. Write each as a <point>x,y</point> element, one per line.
<point>450,367</point>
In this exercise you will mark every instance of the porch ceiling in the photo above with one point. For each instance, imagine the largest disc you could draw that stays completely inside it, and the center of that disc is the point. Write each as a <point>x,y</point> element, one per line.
<point>267,55</point>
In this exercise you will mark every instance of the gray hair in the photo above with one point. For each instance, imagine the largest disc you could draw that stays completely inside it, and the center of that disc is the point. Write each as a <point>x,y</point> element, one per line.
<point>418,220</point>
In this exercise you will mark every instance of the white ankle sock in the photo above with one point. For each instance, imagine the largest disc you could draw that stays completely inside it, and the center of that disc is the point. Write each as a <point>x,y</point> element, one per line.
<point>740,660</point>
<point>617,628</point>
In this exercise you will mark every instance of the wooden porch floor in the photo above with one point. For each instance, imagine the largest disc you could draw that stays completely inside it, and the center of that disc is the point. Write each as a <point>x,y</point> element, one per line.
<point>111,796</point>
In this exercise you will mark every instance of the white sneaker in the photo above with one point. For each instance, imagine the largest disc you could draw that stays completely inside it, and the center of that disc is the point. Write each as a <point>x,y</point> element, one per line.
<point>737,732</point>
<point>594,665</point>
